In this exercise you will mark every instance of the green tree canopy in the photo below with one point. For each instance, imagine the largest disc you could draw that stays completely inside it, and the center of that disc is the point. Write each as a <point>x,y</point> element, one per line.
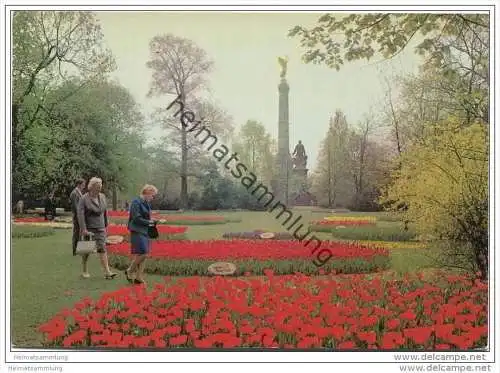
<point>338,39</point>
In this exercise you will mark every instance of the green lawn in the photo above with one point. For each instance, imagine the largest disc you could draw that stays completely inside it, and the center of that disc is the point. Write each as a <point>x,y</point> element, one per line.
<point>45,275</point>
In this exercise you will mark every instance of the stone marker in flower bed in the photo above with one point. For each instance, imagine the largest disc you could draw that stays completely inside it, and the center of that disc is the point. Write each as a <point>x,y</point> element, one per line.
<point>187,258</point>
<point>221,269</point>
<point>177,219</point>
<point>166,232</point>
<point>257,235</point>
<point>287,312</point>
<point>113,240</point>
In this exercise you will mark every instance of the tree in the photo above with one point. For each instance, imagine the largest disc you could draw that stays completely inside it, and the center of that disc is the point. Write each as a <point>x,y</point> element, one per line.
<point>179,68</point>
<point>255,146</point>
<point>455,48</point>
<point>322,178</point>
<point>359,151</point>
<point>48,47</point>
<point>95,131</point>
<point>333,173</point>
<point>218,192</point>
<point>444,183</point>
<point>438,118</point>
<point>163,171</point>
<point>387,34</point>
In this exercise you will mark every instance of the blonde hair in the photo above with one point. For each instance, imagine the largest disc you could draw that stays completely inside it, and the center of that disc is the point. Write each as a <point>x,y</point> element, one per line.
<point>94,181</point>
<point>149,188</point>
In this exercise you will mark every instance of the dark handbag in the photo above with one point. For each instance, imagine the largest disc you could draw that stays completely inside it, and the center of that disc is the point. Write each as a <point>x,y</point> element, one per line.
<point>153,232</point>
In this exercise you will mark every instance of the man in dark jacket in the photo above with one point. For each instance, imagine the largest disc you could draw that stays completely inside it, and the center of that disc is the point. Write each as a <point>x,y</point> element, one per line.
<point>74,198</point>
<point>50,207</point>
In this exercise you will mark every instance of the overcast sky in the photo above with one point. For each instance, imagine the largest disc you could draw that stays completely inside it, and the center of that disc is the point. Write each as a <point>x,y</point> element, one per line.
<point>244,47</point>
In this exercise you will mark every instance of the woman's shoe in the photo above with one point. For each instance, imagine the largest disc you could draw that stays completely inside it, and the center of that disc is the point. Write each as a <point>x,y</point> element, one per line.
<point>85,275</point>
<point>127,276</point>
<point>110,276</point>
<point>139,282</point>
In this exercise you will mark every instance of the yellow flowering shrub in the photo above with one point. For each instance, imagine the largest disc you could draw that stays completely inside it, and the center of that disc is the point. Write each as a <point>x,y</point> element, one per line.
<point>444,183</point>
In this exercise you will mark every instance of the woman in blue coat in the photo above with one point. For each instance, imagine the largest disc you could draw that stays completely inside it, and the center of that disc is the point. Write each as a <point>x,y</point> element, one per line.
<point>139,222</point>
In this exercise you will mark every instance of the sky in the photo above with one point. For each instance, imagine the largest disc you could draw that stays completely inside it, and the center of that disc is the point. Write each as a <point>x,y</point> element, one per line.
<point>245,78</point>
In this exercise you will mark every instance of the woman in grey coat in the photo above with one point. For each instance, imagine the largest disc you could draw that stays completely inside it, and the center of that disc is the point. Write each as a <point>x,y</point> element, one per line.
<point>92,218</point>
<point>74,198</point>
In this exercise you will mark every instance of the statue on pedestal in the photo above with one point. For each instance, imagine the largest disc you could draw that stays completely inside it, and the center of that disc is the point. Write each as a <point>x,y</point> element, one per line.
<point>283,61</point>
<point>299,156</point>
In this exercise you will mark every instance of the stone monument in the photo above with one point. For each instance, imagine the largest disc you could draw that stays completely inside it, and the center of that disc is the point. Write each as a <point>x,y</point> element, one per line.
<point>283,161</point>
<point>290,185</point>
<point>300,187</point>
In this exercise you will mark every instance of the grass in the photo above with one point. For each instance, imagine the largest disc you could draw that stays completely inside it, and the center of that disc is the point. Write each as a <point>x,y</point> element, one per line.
<point>44,269</point>
<point>27,231</point>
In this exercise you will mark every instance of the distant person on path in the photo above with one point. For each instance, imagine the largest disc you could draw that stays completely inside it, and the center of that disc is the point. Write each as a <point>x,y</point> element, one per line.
<point>138,224</point>
<point>20,207</point>
<point>74,198</point>
<point>92,218</point>
<point>50,207</point>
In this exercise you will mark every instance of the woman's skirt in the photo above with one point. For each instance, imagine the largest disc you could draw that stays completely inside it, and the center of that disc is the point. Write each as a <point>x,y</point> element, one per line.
<point>139,243</point>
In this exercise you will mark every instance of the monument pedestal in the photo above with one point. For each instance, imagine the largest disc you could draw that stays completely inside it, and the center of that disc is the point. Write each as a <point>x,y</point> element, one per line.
<point>300,195</point>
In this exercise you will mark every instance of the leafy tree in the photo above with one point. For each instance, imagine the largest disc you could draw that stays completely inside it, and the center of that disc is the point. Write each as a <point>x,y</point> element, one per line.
<point>162,170</point>
<point>255,146</point>
<point>48,47</point>
<point>95,131</point>
<point>440,174</point>
<point>218,192</point>
<point>337,39</point>
<point>444,183</point>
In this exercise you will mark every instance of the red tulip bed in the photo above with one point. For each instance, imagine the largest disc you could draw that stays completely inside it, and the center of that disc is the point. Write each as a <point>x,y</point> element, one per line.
<point>187,258</point>
<point>356,312</point>
<point>257,235</point>
<point>166,232</point>
<point>30,220</point>
<point>176,219</point>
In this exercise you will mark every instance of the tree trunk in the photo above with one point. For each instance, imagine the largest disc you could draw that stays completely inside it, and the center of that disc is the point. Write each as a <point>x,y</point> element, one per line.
<point>15,139</point>
<point>114,197</point>
<point>15,150</point>
<point>362,153</point>
<point>330,201</point>
<point>184,183</point>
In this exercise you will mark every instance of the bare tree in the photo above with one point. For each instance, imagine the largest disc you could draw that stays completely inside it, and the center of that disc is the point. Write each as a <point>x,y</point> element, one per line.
<point>394,120</point>
<point>179,67</point>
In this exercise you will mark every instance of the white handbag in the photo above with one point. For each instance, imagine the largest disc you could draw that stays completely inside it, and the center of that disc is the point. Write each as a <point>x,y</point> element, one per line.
<point>86,246</point>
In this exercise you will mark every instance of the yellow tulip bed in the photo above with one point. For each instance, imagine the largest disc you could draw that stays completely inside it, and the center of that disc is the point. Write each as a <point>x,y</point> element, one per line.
<point>351,220</point>
<point>48,224</point>
<point>391,245</point>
